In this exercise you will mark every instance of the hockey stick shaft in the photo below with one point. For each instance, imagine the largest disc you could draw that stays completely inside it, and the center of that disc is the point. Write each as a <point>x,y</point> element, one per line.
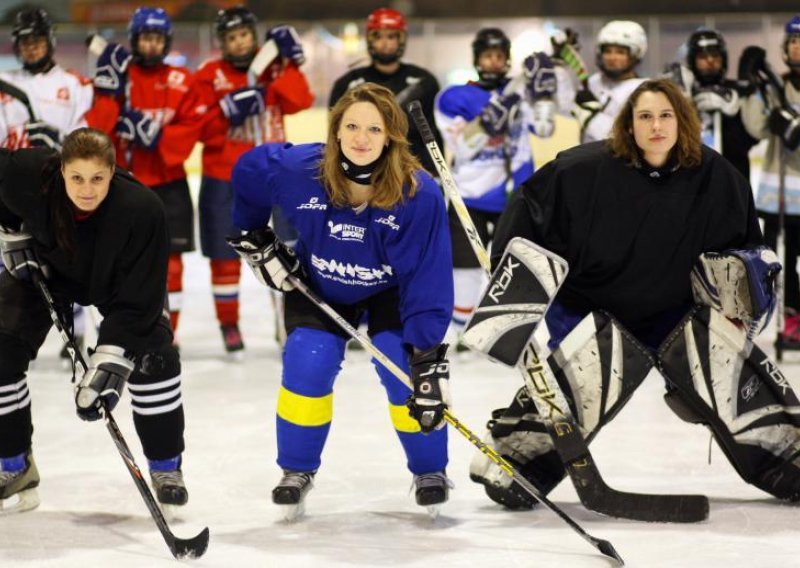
<point>15,92</point>
<point>550,402</point>
<point>603,546</point>
<point>180,548</point>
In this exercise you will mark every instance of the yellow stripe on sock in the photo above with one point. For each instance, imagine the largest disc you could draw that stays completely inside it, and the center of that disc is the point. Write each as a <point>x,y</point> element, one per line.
<point>401,420</point>
<point>305,410</point>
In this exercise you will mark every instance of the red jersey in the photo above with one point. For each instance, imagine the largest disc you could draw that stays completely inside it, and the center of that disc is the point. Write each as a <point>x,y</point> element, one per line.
<point>286,92</point>
<point>164,93</point>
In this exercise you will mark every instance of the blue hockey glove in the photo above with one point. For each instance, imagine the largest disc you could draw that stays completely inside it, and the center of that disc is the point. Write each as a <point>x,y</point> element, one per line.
<point>288,43</point>
<point>430,375</point>
<point>138,129</point>
<point>540,76</point>
<point>43,135</point>
<point>110,75</point>
<point>18,252</point>
<point>271,261</point>
<point>103,382</point>
<point>498,113</point>
<point>242,103</point>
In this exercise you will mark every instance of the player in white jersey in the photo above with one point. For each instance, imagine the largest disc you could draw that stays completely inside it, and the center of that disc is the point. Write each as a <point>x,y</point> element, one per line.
<point>57,98</point>
<point>621,45</point>
<point>42,102</point>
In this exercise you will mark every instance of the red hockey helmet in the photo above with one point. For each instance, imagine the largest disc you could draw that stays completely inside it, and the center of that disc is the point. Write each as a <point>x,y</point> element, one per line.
<point>386,19</point>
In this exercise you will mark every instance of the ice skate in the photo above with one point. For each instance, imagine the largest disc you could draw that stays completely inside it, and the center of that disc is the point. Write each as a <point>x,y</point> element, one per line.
<point>232,338</point>
<point>166,478</point>
<point>291,491</point>
<point>432,490</point>
<point>18,481</point>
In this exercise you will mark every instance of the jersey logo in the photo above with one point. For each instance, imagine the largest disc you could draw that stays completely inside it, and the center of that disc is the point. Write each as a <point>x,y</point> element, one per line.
<point>62,94</point>
<point>175,80</point>
<point>313,204</point>
<point>347,232</point>
<point>221,82</point>
<point>355,83</point>
<point>413,80</point>
<point>389,222</point>
<point>350,274</point>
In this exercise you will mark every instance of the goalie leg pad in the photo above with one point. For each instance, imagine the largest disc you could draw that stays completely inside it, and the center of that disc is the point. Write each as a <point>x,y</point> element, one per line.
<point>598,366</point>
<point>729,384</point>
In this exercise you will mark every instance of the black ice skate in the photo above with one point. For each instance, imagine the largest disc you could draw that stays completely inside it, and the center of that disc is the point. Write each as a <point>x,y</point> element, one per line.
<point>19,487</point>
<point>291,492</point>
<point>432,489</point>
<point>167,479</point>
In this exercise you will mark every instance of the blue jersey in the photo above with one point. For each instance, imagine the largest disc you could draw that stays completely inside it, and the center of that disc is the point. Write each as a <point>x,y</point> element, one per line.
<point>482,173</point>
<point>351,255</point>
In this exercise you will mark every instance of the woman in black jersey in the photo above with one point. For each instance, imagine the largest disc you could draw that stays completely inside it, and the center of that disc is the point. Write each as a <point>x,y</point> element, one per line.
<point>99,237</point>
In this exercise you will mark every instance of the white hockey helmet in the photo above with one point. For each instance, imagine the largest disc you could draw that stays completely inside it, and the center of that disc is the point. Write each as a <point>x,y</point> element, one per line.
<point>625,33</point>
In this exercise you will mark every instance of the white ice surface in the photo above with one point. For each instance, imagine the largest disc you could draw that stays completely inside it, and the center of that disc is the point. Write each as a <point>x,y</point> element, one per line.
<point>360,513</point>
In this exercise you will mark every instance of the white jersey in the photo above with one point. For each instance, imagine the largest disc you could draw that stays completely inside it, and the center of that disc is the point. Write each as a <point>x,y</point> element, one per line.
<point>58,97</point>
<point>612,96</point>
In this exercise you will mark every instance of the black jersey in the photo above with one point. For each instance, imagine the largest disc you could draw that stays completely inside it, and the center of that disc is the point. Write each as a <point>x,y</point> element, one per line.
<point>408,83</point>
<point>120,261</point>
<point>630,238</point>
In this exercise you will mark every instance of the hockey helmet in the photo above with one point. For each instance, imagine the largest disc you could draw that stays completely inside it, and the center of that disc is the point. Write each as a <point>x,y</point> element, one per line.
<point>149,20</point>
<point>791,30</point>
<point>489,38</point>
<point>710,41</point>
<point>623,33</point>
<point>386,19</point>
<point>34,22</point>
<point>231,18</point>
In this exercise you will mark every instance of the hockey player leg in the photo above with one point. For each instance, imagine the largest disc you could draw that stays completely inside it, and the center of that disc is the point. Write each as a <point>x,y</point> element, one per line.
<point>156,401</point>
<point>426,453</point>
<point>175,289</point>
<point>311,360</point>
<point>719,378</point>
<point>466,287</point>
<point>225,275</point>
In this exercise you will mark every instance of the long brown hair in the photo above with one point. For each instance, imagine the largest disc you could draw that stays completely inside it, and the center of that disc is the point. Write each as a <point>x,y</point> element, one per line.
<point>80,144</point>
<point>687,149</point>
<point>397,166</point>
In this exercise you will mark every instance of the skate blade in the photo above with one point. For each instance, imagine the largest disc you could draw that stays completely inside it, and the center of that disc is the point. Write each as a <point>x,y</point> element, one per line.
<point>292,513</point>
<point>171,512</point>
<point>20,502</point>
<point>433,511</point>
<point>235,356</point>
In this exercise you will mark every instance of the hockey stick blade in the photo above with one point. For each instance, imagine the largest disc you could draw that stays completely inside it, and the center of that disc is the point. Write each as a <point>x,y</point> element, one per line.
<point>96,44</point>
<point>603,546</point>
<point>265,56</point>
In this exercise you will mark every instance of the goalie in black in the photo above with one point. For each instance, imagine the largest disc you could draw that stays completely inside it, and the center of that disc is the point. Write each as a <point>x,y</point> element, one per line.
<point>665,257</point>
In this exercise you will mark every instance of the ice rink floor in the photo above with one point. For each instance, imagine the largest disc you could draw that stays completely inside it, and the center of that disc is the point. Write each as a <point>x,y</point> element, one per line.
<point>361,513</point>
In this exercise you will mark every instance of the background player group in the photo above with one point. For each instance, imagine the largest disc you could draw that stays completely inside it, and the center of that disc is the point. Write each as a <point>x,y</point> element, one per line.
<point>377,193</point>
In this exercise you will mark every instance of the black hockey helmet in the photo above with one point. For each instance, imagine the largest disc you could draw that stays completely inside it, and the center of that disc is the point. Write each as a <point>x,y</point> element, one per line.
<point>705,40</point>
<point>231,18</point>
<point>488,38</point>
<point>34,22</point>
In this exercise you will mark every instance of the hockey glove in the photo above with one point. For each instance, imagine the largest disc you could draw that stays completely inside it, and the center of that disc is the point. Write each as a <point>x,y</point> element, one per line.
<point>288,43</point>
<point>785,123</point>
<point>566,39</point>
<point>430,373</point>
<point>716,98</point>
<point>242,103</point>
<point>110,76</point>
<point>498,113</point>
<point>43,135</point>
<point>586,108</point>
<point>19,254</point>
<point>540,77</point>
<point>271,261</point>
<point>544,118</point>
<point>740,283</point>
<point>101,386</point>
<point>138,129</point>
<point>751,63</point>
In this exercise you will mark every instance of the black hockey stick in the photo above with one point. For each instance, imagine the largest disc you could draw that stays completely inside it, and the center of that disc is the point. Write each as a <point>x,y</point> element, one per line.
<point>552,405</point>
<point>15,92</point>
<point>180,548</point>
<point>604,546</point>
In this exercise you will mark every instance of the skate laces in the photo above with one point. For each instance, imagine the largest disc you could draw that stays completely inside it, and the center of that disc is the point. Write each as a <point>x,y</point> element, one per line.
<point>427,480</point>
<point>296,479</point>
<point>168,478</point>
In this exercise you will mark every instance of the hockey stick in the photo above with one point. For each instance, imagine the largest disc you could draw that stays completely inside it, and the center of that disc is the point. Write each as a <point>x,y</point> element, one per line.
<point>552,405</point>
<point>265,56</point>
<point>604,546</point>
<point>180,548</point>
<point>16,93</point>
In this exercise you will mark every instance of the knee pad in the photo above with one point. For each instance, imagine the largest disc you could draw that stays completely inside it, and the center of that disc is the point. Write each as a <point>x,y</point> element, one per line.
<point>719,378</point>
<point>312,359</point>
<point>155,384</point>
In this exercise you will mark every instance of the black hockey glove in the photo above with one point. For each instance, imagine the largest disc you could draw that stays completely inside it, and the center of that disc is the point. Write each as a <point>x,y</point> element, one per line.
<point>19,254</point>
<point>43,135</point>
<point>102,384</point>
<point>498,113</point>
<point>785,123</point>
<point>242,103</point>
<point>563,41</point>
<point>430,373</point>
<point>751,63</point>
<point>586,107</point>
<point>271,261</point>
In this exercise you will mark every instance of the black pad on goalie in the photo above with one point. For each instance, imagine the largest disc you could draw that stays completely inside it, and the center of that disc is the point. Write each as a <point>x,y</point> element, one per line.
<point>726,382</point>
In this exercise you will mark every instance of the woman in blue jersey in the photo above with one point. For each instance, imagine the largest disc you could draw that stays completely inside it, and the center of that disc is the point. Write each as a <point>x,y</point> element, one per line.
<point>374,241</point>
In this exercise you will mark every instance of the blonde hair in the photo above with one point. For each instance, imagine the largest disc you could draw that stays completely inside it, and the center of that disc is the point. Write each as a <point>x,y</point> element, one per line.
<point>397,166</point>
<point>687,149</point>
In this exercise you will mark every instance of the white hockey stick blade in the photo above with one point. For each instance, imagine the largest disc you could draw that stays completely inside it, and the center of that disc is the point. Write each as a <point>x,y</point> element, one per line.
<point>265,56</point>
<point>516,300</point>
<point>97,44</point>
